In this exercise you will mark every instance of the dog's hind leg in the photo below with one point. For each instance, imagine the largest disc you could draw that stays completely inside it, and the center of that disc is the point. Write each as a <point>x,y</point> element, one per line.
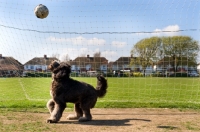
<point>79,112</point>
<point>87,117</point>
<point>56,113</point>
<point>50,105</point>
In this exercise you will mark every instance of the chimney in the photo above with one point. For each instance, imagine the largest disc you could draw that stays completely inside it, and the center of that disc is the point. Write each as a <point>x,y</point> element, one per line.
<point>45,56</point>
<point>0,56</point>
<point>88,56</point>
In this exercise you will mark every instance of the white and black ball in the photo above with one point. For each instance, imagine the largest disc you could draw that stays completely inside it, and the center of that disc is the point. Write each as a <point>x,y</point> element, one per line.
<point>41,11</point>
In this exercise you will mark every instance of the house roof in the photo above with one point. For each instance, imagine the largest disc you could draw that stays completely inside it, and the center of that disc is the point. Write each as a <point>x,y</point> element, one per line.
<point>88,60</point>
<point>122,61</point>
<point>9,63</point>
<point>40,61</point>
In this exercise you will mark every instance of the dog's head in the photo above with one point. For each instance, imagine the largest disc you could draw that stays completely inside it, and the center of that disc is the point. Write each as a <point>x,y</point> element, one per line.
<point>60,70</point>
<point>101,80</point>
<point>101,86</point>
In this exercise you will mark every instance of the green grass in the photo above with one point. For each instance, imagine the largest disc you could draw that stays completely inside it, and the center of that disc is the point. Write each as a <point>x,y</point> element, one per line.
<point>149,92</point>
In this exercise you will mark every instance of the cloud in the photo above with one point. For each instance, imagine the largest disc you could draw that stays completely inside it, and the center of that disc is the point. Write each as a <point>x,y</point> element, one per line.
<point>118,44</point>
<point>170,30</point>
<point>70,52</point>
<point>74,52</point>
<point>77,52</point>
<point>110,55</point>
<point>84,47</point>
<point>79,41</point>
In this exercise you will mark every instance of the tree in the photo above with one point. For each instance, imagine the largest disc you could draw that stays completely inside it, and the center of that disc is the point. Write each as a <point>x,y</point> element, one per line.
<point>65,58</point>
<point>56,55</point>
<point>97,61</point>
<point>97,54</point>
<point>82,55</point>
<point>180,48</point>
<point>145,52</point>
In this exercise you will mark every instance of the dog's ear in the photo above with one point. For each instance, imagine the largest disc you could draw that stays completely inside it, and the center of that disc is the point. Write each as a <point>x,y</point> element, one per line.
<point>54,64</point>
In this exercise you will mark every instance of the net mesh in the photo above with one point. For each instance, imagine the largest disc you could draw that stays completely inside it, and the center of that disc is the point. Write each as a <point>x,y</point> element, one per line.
<point>148,50</point>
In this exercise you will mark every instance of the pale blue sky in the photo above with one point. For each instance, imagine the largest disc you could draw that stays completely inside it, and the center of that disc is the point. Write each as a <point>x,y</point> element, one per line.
<point>80,16</point>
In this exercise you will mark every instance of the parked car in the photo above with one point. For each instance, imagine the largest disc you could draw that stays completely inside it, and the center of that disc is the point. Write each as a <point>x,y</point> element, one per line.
<point>193,74</point>
<point>24,74</point>
<point>92,73</point>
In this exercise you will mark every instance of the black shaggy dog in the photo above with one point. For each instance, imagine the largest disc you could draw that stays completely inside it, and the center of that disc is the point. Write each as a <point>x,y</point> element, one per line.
<point>64,89</point>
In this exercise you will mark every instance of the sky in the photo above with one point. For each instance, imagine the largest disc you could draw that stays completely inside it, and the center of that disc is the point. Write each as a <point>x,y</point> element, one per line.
<point>84,27</point>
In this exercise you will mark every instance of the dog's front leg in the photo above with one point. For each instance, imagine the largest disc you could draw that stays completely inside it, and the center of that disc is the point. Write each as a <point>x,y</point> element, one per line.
<point>56,113</point>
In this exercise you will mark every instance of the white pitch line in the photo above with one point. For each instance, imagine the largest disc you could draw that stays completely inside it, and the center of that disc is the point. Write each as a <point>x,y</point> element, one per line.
<point>23,89</point>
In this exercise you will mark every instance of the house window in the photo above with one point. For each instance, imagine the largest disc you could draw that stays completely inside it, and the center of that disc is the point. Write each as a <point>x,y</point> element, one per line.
<point>32,67</point>
<point>88,67</point>
<point>76,67</point>
<point>39,67</point>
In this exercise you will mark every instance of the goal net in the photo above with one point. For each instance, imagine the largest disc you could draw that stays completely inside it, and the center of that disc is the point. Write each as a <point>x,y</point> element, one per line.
<point>147,50</point>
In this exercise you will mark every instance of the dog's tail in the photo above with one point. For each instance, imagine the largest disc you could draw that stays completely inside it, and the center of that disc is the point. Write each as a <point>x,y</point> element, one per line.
<point>101,86</point>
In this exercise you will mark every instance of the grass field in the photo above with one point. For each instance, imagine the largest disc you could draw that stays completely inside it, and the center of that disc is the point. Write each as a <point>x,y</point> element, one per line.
<point>149,92</point>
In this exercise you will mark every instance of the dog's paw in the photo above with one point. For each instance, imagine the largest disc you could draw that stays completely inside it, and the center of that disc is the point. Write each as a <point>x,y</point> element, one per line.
<point>51,121</point>
<point>72,117</point>
<point>84,119</point>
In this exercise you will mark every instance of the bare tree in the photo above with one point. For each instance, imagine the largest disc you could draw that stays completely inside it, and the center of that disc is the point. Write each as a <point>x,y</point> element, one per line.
<point>65,58</point>
<point>56,55</point>
<point>82,55</point>
<point>97,54</point>
<point>97,60</point>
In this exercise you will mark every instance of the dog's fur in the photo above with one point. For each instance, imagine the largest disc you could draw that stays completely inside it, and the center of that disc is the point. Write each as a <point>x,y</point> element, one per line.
<point>64,89</point>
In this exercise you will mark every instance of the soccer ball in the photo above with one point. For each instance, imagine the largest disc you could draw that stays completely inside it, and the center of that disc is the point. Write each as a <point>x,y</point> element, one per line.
<point>41,11</point>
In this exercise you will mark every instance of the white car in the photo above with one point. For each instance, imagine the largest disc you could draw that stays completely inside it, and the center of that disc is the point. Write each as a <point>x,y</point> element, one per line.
<point>193,74</point>
<point>24,74</point>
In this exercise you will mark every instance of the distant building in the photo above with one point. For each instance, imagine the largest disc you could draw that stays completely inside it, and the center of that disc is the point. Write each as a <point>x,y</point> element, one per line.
<point>123,63</point>
<point>38,63</point>
<point>84,64</point>
<point>10,67</point>
<point>110,66</point>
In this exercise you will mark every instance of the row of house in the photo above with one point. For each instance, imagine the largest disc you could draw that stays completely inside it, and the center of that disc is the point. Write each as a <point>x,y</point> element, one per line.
<point>12,67</point>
